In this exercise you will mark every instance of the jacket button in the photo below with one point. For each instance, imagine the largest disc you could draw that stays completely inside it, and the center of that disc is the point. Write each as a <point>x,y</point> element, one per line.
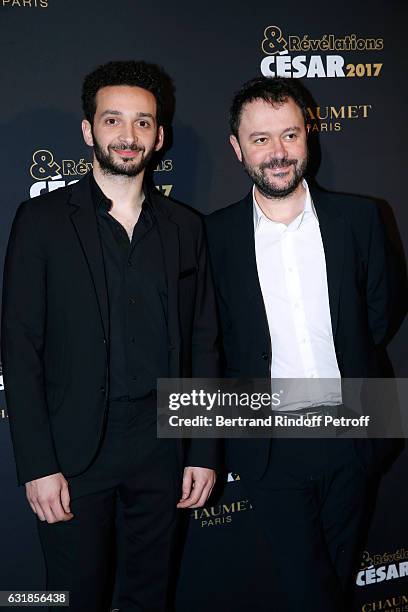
<point>265,355</point>
<point>102,389</point>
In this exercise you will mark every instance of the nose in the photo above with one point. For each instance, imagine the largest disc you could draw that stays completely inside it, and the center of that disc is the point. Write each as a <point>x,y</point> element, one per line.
<point>278,149</point>
<point>127,134</point>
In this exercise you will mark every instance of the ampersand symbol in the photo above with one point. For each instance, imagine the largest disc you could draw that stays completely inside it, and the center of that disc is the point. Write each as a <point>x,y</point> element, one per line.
<point>44,167</point>
<point>366,560</point>
<point>273,42</point>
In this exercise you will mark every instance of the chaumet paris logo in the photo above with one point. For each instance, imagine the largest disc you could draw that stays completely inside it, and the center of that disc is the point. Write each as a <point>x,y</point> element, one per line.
<point>24,3</point>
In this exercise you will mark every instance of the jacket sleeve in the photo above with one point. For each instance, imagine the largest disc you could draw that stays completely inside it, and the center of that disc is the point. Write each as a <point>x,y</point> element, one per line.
<point>205,353</point>
<point>386,287</point>
<point>205,329</point>
<point>22,345</point>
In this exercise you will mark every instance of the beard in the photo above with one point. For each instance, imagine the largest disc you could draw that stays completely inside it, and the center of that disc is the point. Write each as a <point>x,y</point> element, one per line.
<point>126,167</point>
<point>266,184</point>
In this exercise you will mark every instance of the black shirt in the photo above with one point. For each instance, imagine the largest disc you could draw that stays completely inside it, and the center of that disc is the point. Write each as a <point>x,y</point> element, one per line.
<point>137,293</point>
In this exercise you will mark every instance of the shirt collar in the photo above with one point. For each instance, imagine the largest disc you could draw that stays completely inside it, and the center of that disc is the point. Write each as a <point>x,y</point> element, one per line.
<point>103,203</point>
<point>309,209</point>
<point>99,198</point>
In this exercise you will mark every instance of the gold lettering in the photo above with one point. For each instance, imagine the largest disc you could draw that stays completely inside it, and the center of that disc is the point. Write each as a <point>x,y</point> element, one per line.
<point>310,113</point>
<point>319,113</point>
<point>365,108</point>
<point>352,112</point>
<point>68,167</point>
<point>336,114</point>
<point>242,505</point>
<point>294,43</point>
<point>214,511</point>
<point>371,44</point>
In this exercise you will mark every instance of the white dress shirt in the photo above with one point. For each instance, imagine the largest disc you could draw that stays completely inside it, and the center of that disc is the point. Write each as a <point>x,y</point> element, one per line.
<point>292,274</point>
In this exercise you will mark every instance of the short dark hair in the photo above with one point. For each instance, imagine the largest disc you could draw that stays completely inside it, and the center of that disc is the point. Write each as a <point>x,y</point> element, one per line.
<point>275,90</point>
<point>132,73</point>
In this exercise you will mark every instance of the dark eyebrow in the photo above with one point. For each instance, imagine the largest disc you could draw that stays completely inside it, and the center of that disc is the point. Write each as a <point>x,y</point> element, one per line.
<point>292,129</point>
<point>110,112</point>
<point>252,134</point>
<point>266,132</point>
<point>145,115</point>
<point>117,113</point>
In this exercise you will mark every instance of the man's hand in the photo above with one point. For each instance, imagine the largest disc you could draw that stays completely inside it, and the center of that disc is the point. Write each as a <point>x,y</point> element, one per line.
<point>197,485</point>
<point>49,498</point>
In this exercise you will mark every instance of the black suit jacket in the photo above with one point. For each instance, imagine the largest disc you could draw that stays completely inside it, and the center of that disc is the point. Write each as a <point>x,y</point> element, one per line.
<point>359,286</point>
<point>55,326</point>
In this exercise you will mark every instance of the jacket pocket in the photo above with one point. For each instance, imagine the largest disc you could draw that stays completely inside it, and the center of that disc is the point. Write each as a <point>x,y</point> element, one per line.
<point>55,393</point>
<point>187,272</point>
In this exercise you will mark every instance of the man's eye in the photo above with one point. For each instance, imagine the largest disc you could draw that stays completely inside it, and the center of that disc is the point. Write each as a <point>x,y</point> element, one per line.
<point>111,121</point>
<point>291,136</point>
<point>261,140</point>
<point>144,123</point>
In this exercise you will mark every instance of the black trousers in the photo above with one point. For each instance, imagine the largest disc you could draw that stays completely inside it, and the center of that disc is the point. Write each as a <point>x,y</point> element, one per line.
<point>141,476</point>
<point>310,507</point>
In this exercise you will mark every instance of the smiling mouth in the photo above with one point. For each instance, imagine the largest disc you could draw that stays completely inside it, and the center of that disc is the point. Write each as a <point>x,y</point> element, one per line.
<point>280,171</point>
<point>128,153</point>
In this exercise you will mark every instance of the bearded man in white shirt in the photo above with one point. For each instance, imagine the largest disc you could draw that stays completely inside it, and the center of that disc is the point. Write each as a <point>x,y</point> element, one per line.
<point>303,281</point>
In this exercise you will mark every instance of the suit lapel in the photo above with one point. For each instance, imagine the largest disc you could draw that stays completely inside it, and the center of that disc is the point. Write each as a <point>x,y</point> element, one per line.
<point>332,232</point>
<point>244,262</point>
<point>83,218</point>
<point>170,241</point>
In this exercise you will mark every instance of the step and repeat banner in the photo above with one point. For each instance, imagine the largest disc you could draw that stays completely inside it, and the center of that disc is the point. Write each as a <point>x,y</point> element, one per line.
<point>350,56</point>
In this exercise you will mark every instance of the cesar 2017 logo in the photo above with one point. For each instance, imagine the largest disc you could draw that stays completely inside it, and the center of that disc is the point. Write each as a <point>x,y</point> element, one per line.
<point>378,568</point>
<point>280,61</point>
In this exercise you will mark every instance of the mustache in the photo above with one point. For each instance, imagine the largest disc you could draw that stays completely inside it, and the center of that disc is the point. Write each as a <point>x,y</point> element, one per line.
<point>278,163</point>
<point>125,147</point>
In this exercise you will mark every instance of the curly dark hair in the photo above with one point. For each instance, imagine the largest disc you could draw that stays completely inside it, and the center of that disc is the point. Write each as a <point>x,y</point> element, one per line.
<point>275,90</point>
<point>137,74</point>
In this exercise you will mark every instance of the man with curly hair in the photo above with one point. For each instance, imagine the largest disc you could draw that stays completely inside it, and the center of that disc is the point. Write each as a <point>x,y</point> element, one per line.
<point>106,289</point>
